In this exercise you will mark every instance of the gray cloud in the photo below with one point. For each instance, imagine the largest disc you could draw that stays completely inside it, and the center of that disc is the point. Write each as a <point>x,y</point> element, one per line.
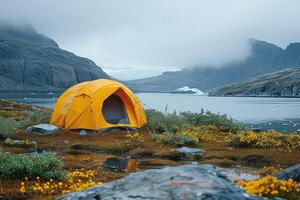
<point>160,34</point>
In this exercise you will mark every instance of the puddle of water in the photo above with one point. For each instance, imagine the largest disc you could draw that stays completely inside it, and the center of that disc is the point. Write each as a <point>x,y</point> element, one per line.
<point>237,173</point>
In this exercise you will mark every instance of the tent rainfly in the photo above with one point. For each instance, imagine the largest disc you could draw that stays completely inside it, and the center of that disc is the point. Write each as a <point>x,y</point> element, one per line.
<point>96,105</point>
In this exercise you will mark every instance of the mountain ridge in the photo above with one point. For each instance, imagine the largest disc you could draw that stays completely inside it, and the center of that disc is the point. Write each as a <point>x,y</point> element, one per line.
<point>264,58</point>
<point>31,60</point>
<point>282,83</point>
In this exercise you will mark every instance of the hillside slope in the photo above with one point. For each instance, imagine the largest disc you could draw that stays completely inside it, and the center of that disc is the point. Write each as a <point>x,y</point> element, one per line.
<point>285,82</point>
<point>30,60</point>
<point>265,58</point>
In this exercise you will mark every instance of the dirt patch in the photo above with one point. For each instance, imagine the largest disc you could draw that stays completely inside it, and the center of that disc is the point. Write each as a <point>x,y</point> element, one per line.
<point>140,153</point>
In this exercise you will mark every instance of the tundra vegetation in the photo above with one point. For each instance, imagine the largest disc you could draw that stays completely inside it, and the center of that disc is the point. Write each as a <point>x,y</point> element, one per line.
<point>72,162</point>
<point>192,128</point>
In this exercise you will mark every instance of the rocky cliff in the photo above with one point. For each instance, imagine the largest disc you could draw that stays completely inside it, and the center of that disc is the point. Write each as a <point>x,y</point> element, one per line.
<point>265,58</point>
<point>29,60</point>
<point>285,83</point>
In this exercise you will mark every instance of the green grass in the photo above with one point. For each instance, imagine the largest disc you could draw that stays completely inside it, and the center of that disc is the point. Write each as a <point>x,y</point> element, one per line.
<point>43,165</point>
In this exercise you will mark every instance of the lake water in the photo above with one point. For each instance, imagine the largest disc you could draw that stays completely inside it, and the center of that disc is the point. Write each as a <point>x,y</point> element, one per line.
<point>282,114</point>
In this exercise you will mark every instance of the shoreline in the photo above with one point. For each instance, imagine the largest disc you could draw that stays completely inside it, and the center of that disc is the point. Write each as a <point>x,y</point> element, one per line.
<point>285,124</point>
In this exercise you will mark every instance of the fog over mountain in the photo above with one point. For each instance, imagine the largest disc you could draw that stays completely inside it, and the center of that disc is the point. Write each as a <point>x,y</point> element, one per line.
<point>148,37</point>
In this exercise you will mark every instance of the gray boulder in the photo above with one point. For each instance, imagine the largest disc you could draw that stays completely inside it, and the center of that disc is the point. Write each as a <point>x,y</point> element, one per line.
<point>46,129</point>
<point>181,182</point>
<point>190,151</point>
<point>289,173</point>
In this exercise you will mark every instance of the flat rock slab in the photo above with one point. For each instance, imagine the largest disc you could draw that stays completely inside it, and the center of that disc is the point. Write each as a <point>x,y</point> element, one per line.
<point>176,183</point>
<point>289,173</point>
<point>43,128</point>
<point>190,151</point>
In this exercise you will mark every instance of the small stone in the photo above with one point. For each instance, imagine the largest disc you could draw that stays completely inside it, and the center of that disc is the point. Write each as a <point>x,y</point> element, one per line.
<point>229,148</point>
<point>82,132</point>
<point>190,151</point>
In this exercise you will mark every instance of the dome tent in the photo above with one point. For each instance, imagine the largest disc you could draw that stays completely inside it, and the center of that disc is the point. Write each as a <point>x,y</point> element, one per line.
<point>96,105</point>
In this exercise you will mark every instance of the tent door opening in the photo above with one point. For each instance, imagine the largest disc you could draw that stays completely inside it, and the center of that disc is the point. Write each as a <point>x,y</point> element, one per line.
<point>114,110</point>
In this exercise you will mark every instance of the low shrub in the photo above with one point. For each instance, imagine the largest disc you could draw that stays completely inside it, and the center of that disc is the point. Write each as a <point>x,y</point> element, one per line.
<point>192,135</point>
<point>209,118</point>
<point>173,139</point>
<point>159,122</point>
<point>42,165</point>
<point>271,187</point>
<point>204,133</point>
<point>41,116</point>
<point>266,139</point>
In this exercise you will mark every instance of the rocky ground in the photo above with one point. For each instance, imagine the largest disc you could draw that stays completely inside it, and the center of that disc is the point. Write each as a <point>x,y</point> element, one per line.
<point>91,151</point>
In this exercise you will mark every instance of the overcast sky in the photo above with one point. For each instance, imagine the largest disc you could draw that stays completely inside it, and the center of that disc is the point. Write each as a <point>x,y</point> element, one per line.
<point>138,38</point>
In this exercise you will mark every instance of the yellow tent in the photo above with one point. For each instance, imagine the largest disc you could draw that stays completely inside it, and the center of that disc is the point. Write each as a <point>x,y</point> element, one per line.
<point>98,104</point>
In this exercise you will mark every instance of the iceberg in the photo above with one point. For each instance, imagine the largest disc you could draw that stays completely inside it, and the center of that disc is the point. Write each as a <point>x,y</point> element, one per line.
<point>188,90</point>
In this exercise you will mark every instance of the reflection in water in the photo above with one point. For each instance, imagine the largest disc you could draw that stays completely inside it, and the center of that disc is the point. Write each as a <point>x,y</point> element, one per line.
<point>238,173</point>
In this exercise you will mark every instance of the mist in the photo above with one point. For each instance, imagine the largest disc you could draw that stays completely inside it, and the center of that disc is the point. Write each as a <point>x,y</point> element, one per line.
<point>135,39</point>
